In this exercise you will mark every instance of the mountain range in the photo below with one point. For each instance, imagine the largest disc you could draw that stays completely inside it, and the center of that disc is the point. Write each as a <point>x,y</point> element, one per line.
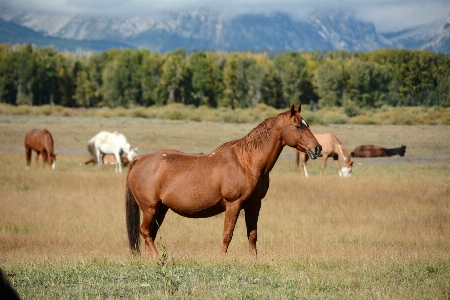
<point>203,29</point>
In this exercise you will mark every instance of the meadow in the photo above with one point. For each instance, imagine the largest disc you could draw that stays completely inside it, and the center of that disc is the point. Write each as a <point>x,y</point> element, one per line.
<point>384,233</point>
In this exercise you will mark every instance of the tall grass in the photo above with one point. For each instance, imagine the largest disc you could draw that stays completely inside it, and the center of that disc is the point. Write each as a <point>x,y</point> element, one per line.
<point>384,233</point>
<point>337,115</point>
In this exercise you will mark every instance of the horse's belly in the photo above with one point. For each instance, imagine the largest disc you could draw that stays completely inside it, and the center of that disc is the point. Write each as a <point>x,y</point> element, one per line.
<point>198,211</point>
<point>193,206</point>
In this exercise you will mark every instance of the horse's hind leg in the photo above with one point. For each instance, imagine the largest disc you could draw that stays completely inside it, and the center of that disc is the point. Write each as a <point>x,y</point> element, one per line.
<point>148,221</point>
<point>159,220</point>
<point>251,221</point>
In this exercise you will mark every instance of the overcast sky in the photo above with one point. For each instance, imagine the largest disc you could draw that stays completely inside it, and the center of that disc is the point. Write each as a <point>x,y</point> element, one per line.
<point>387,15</point>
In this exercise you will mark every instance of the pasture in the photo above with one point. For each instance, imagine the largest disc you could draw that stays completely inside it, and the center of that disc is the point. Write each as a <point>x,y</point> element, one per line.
<point>383,233</point>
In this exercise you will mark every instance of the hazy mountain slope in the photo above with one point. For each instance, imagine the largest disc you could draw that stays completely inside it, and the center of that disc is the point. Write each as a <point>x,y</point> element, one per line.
<point>207,30</point>
<point>14,34</point>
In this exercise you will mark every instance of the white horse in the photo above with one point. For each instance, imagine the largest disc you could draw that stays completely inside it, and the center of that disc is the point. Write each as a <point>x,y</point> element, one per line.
<point>114,143</point>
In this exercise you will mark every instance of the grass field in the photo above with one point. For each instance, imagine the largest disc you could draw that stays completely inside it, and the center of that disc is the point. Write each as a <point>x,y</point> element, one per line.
<point>382,234</point>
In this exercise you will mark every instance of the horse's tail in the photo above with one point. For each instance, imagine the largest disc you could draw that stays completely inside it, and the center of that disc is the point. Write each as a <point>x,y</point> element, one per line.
<point>132,217</point>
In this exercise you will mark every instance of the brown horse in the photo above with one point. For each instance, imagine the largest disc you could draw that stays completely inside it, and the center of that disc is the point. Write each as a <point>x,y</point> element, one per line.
<point>41,141</point>
<point>331,147</point>
<point>234,176</point>
<point>377,151</point>
<point>109,159</point>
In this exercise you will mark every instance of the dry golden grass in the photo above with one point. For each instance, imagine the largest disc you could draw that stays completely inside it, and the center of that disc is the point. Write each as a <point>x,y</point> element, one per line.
<point>378,234</point>
<point>393,207</point>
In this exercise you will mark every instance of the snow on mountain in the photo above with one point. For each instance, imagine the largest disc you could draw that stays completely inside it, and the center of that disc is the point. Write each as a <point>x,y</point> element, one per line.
<point>203,29</point>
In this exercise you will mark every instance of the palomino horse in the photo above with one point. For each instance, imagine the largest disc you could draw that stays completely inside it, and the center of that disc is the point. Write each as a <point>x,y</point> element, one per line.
<point>109,159</point>
<point>333,147</point>
<point>114,143</point>
<point>41,141</point>
<point>234,176</point>
<point>377,151</point>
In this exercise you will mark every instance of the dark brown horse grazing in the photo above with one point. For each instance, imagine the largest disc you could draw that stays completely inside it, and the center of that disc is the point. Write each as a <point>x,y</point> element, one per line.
<point>234,176</point>
<point>109,159</point>
<point>40,141</point>
<point>377,151</point>
<point>331,147</point>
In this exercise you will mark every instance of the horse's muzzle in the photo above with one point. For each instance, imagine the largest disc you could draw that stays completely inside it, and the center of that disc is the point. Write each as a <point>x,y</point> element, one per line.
<point>316,153</point>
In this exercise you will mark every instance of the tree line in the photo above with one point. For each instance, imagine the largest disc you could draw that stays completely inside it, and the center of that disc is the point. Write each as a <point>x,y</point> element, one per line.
<point>127,78</point>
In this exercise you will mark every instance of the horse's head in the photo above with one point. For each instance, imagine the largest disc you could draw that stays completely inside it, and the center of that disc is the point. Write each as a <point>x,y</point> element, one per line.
<point>51,160</point>
<point>131,153</point>
<point>346,171</point>
<point>296,133</point>
<point>402,150</point>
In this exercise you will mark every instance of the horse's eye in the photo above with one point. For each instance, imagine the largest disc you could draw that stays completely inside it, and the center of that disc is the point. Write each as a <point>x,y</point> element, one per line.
<point>298,126</point>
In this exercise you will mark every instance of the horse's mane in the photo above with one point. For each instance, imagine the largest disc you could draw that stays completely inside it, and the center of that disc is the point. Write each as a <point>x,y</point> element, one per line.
<point>343,151</point>
<point>47,133</point>
<point>254,139</point>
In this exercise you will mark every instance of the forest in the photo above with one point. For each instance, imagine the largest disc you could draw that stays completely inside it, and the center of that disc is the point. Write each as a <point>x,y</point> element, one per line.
<point>142,78</point>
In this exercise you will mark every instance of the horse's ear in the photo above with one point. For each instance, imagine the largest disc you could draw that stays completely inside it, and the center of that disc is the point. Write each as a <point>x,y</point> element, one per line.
<point>292,109</point>
<point>299,107</point>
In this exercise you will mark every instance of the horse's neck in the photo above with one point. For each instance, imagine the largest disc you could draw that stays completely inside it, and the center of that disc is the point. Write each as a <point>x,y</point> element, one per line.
<point>393,151</point>
<point>261,148</point>
<point>48,144</point>
<point>343,153</point>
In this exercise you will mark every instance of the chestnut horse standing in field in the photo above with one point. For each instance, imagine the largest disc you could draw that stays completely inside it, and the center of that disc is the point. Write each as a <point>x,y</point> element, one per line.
<point>41,141</point>
<point>234,176</point>
<point>377,151</point>
<point>331,147</point>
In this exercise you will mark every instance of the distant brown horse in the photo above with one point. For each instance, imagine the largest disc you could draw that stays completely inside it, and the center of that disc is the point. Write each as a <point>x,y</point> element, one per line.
<point>109,159</point>
<point>41,141</point>
<point>377,151</point>
<point>234,176</point>
<point>331,147</point>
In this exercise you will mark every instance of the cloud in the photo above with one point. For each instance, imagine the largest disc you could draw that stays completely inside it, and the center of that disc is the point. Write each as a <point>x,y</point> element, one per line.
<point>396,15</point>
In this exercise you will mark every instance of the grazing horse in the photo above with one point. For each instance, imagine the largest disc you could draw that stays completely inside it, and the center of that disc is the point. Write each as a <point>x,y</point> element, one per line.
<point>109,159</point>
<point>232,177</point>
<point>377,151</point>
<point>41,141</point>
<point>114,143</point>
<point>331,147</point>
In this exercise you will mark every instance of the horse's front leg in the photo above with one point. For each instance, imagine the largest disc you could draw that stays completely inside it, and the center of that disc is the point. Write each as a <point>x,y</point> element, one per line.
<point>304,160</point>
<point>336,163</point>
<point>28,156</point>
<point>37,159</point>
<point>251,221</point>
<point>44,158</point>
<point>99,157</point>
<point>231,215</point>
<point>119,162</point>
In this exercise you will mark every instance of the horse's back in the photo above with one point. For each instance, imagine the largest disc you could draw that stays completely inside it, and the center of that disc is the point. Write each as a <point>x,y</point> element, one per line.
<point>328,141</point>
<point>39,138</point>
